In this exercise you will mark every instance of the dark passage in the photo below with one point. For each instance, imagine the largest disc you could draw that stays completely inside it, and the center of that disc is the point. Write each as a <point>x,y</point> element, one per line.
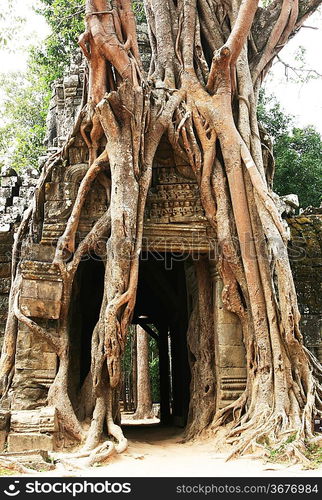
<point>85,308</point>
<point>162,302</point>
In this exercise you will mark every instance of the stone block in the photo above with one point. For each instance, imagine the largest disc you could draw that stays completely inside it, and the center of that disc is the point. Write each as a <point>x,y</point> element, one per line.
<point>5,284</point>
<point>29,421</point>
<point>49,361</point>
<point>226,317</point>
<point>27,398</point>
<point>4,302</point>
<point>3,440</point>
<point>5,192</point>
<point>233,372</point>
<point>35,360</point>
<point>6,250</point>
<point>40,309</point>
<point>4,228</point>
<point>4,420</point>
<point>77,155</point>
<point>38,460</point>
<point>19,202</point>
<point>42,289</point>
<point>70,81</point>
<point>31,441</point>
<point>26,192</point>
<point>58,209</point>
<point>9,181</point>
<point>55,191</point>
<point>5,269</point>
<point>14,212</point>
<point>43,253</point>
<point>230,334</point>
<point>7,172</point>
<point>41,298</point>
<point>232,356</point>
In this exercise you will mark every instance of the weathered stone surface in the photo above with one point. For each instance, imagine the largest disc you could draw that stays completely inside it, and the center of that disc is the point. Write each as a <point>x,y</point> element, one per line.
<point>55,191</point>
<point>25,397</point>
<point>4,420</point>
<point>5,270</point>
<point>44,420</point>
<point>38,308</point>
<point>32,441</point>
<point>229,334</point>
<point>305,250</point>
<point>5,284</point>
<point>32,459</point>
<point>232,356</point>
<point>45,290</point>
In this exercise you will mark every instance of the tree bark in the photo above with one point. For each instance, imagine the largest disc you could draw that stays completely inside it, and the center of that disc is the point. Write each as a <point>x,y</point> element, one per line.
<point>144,398</point>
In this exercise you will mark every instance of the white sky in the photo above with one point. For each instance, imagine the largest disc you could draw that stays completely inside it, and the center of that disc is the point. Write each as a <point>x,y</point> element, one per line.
<point>302,100</point>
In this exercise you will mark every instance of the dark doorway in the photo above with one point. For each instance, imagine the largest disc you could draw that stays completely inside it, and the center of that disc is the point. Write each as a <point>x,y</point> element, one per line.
<point>161,309</point>
<point>162,302</point>
<point>87,296</point>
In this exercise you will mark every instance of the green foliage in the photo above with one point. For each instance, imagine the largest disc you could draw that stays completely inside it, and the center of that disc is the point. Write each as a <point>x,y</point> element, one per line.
<point>25,97</point>
<point>277,454</point>
<point>153,362</point>
<point>138,9</point>
<point>314,454</point>
<point>22,128</point>
<point>299,165</point>
<point>272,116</point>
<point>297,152</point>
<point>66,20</point>
<point>7,472</point>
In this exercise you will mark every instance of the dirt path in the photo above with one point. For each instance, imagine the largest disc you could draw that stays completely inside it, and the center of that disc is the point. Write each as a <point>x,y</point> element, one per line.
<point>156,451</point>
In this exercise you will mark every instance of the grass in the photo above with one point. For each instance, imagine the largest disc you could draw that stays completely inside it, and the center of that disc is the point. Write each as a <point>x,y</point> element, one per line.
<point>277,455</point>
<point>314,454</point>
<point>7,472</point>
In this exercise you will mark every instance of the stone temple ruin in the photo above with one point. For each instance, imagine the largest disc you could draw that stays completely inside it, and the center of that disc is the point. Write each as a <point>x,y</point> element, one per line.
<point>175,233</point>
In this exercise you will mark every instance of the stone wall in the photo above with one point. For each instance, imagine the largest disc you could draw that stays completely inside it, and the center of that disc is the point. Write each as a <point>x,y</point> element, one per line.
<point>17,188</point>
<point>305,251</point>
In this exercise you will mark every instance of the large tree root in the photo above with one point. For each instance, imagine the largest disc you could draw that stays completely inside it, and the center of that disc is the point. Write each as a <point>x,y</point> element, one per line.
<point>84,459</point>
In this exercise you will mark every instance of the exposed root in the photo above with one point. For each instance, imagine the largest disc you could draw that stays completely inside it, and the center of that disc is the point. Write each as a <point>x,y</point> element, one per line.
<point>88,458</point>
<point>13,464</point>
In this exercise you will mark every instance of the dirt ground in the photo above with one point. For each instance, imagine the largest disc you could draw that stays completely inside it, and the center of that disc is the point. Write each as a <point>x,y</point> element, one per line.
<point>156,451</point>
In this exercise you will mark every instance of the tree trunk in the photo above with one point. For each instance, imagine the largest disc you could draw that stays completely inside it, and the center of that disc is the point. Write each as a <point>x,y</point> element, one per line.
<point>134,373</point>
<point>209,58</point>
<point>144,404</point>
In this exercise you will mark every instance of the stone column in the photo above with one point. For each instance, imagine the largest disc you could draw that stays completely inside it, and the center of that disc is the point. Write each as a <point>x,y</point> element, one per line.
<point>229,348</point>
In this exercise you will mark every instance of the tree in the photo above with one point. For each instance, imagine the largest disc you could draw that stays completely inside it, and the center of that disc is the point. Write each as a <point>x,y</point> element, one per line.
<point>208,61</point>
<point>273,117</point>
<point>25,103</point>
<point>299,165</point>
<point>66,20</point>
<point>25,96</point>
<point>144,403</point>
<point>297,152</point>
